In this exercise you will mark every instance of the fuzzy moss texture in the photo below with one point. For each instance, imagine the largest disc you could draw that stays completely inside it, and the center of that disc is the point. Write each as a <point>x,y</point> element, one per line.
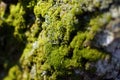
<point>49,39</point>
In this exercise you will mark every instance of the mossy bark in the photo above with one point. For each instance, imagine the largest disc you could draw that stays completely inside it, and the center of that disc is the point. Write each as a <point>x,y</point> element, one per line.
<point>53,39</point>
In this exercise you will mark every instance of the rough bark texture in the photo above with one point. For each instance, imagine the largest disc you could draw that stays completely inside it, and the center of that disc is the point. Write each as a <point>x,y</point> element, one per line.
<point>60,40</point>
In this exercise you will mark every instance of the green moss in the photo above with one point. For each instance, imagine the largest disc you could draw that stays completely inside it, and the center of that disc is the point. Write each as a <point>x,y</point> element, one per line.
<point>17,20</point>
<point>91,54</point>
<point>55,39</point>
<point>97,23</point>
<point>14,73</point>
<point>78,40</point>
<point>57,57</point>
<point>42,8</point>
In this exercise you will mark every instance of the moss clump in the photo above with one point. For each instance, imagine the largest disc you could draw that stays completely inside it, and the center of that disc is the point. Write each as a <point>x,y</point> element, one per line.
<point>16,19</point>
<point>14,73</point>
<point>54,33</point>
